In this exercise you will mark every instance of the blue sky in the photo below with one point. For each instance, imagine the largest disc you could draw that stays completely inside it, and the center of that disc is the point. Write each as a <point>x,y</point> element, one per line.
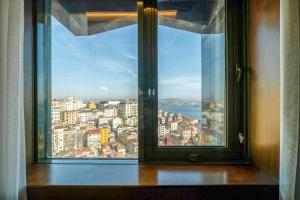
<point>104,66</point>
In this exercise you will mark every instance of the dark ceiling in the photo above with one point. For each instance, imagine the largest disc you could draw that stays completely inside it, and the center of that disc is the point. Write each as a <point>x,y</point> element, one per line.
<point>200,16</point>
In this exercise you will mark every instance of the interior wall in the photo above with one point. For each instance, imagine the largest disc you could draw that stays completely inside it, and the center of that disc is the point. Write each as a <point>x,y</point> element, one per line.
<point>264,59</point>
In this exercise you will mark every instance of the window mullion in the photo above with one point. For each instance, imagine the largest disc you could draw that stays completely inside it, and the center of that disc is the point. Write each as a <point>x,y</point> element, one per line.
<point>147,77</point>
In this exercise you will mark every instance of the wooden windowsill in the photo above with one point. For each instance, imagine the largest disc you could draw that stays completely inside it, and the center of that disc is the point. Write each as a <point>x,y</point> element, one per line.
<point>45,180</point>
<point>145,175</point>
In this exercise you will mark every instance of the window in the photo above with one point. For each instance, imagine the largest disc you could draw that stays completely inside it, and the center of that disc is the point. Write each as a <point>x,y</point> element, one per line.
<point>191,74</point>
<point>148,80</point>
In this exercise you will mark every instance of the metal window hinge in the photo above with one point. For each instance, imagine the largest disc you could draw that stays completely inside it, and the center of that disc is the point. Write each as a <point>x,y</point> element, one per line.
<point>241,137</point>
<point>238,72</point>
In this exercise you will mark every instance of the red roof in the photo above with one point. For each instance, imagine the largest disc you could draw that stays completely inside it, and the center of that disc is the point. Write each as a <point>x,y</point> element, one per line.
<point>93,131</point>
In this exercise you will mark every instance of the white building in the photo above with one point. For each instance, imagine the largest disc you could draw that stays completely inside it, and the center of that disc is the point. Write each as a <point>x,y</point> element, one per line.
<point>84,116</point>
<point>57,140</point>
<point>93,138</point>
<point>116,122</point>
<point>174,126</point>
<point>113,102</point>
<point>69,138</point>
<point>99,113</point>
<point>91,124</point>
<point>220,117</point>
<point>110,112</point>
<point>170,118</point>
<point>161,130</point>
<point>165,114</point>
<point>55,114</point>
<point>131,121</point>
<point>186,133</point>
<point>121,149</point>
<point>128,108</point>
<point>160,113</point>
<point>121,130</point>
<point>194,131</point>
<point>163,120</point>
<point>94,115</point>
<point>59,103</point>
<point>73,103</point>
<point>103,120</point>
<point>179,117</point>
<point>107,103</point>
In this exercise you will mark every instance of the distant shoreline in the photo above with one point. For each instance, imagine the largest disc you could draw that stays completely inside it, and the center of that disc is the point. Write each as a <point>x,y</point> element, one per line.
<point>184,110</point>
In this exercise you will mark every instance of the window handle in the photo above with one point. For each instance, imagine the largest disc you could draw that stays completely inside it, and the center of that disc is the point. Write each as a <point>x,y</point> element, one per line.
<point>151,92</point>
<point>238,72</point>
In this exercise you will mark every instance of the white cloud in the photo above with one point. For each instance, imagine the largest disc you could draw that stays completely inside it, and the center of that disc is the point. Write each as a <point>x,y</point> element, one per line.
<point>104,88</point>
<point>171,42</point>
<point>130,56</point>
<point>115,67</point>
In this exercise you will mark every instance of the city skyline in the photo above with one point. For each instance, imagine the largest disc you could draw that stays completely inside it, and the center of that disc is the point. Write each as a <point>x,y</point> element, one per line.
<point>109,129</point>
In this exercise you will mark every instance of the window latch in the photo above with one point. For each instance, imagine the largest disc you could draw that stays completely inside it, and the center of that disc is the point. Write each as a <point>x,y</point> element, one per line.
<point>241,137</point>
<point>151,92</point>
<point>193,157</point>
<point>238,72</point>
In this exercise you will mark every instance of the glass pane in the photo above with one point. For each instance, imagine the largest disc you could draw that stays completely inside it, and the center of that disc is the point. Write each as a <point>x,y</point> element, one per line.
<point>93,78</point>
<point>191,73</point>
